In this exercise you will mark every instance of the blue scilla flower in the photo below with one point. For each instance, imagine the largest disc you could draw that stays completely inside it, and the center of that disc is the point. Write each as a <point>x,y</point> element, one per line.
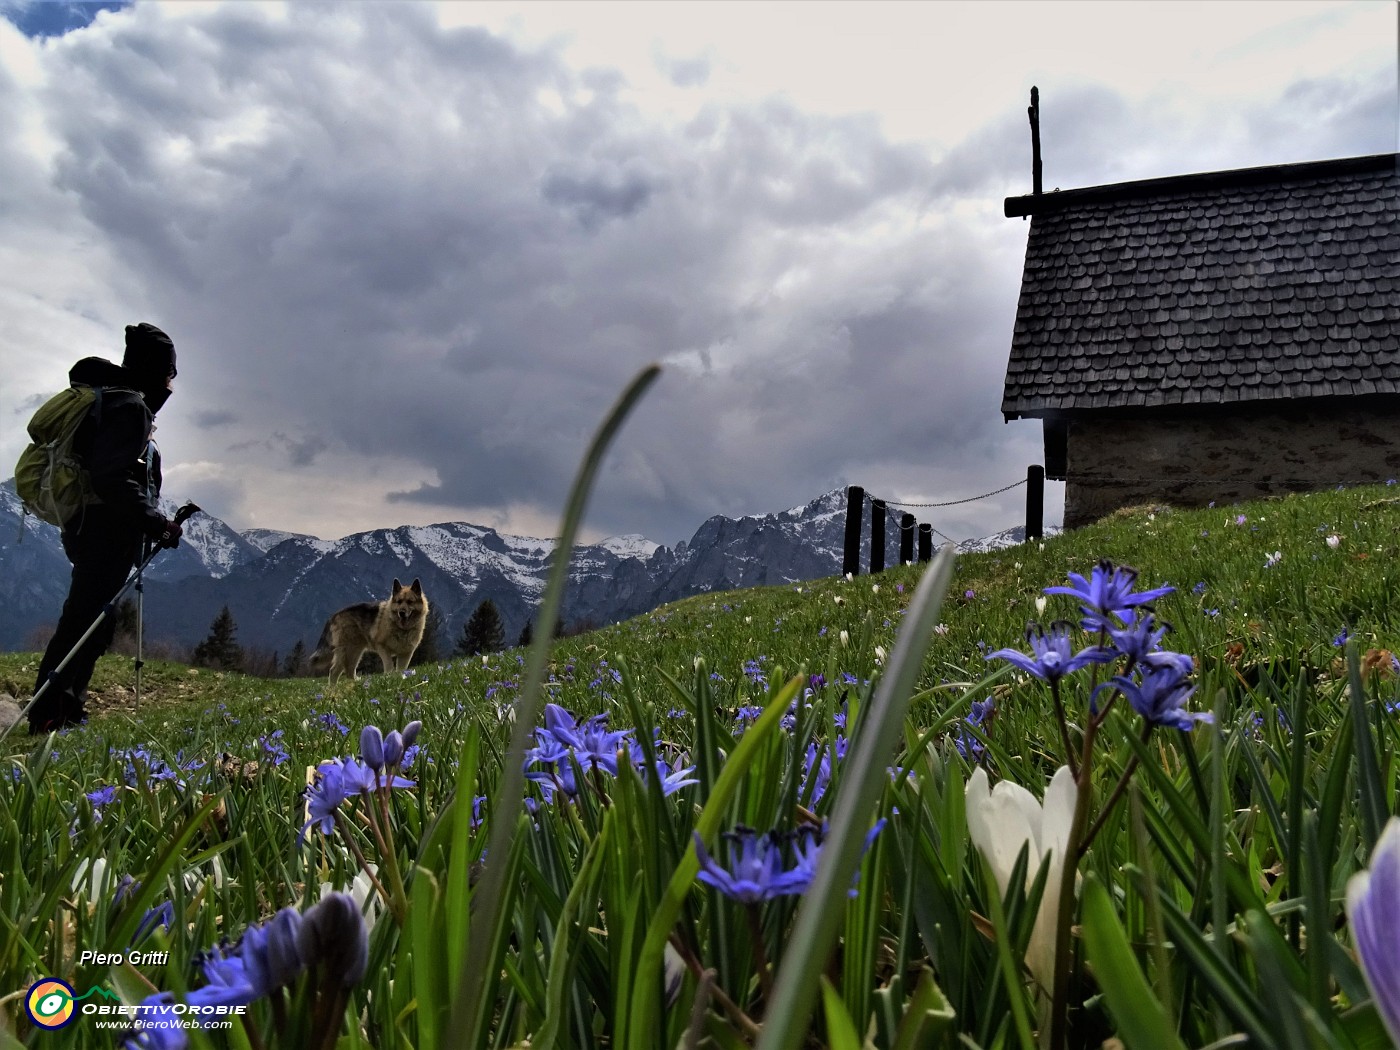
<point>808,849</point>
<point>756,872</point>
<point>103,796</point>
<point>968,745</point>
<point>598,746</point>
<point>160,915</point>
<point>674,776</point>
<point>1052,655</point>
<point>157,1025</point>
<point>338,780</point>
<point>1107,591</point>
<point>1141,641</point>
<point>1159,696</point>
<point>372,747</point>
<point>1371,897</point>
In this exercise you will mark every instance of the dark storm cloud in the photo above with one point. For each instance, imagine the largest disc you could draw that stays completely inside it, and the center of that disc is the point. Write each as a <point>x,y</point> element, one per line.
<point>302,451</point>
<point>593,199</point>
<point>374,238</point>
<point>207,419</point>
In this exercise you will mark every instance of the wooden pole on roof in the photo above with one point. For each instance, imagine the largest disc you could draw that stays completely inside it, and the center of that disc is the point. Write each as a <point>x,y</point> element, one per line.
<point>1034,112</point>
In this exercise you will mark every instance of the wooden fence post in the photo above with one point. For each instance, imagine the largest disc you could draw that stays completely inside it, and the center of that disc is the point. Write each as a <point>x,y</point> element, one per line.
<point>1035,502</point>
<point>925,542</point>
<point>906,538</point>
<point>850,555</point>
<point>877,536</point>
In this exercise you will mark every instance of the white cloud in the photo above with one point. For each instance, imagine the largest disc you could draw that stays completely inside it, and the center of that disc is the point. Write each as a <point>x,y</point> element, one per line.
<point>409,254</point>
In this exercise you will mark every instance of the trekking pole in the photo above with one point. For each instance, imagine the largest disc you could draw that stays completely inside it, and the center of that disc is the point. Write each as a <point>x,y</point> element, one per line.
<point>140,620</point>
<point>181,516</point>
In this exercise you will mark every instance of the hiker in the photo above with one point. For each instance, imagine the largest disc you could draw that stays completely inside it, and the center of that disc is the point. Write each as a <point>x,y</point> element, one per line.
<point>104,539</point>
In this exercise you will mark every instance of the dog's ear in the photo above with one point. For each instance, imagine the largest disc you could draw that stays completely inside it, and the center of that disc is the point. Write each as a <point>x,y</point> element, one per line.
<point>416,587</point>
<point>397,585</point>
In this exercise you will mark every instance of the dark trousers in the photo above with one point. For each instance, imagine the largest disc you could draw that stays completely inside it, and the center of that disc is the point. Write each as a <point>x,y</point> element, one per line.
<point>103,550</point>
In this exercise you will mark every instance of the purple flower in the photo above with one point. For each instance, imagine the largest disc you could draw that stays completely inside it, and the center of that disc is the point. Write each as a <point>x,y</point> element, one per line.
<point>809,847</point>
<point>160,915</point>
<point>372,747</point>
<point>756,868</point>
<point>340,779</point>
<point>1371,897</point>
<point>393,749</point>
<point>333,938</point>
<point>1109,589</point>
<point>968,745</point>
<point>1159,697</point>
<point>157,1026</point>
<point>103,796</point>
<point>675,776</point>
<point>1052,657</point>
<point>598,746</point>
<point>1141,641</point>
<point>227,982</point>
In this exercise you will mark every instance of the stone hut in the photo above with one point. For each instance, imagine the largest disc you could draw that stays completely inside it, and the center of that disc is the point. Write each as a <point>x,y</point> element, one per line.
<point>1219,336</point>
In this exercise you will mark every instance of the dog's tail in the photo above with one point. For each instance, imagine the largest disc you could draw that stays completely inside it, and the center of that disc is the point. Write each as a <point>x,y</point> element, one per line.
<point>319,662</point>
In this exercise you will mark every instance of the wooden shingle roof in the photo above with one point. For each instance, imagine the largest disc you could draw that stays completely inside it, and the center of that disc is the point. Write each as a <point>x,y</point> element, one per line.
<point>1250,285</point>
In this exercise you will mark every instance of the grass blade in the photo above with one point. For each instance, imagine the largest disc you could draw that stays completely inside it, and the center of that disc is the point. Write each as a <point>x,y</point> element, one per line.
<point>490,895</point>
<point>823,908</point>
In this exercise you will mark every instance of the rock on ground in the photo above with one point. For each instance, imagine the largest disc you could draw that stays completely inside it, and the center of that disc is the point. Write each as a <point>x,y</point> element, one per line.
<point>9,711</point>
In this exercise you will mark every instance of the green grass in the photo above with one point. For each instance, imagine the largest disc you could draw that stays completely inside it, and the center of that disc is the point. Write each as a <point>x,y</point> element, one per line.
<point>1213,869</point>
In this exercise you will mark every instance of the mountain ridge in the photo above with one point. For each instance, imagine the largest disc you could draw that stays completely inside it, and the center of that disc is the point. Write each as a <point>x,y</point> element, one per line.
<point>281,586</point>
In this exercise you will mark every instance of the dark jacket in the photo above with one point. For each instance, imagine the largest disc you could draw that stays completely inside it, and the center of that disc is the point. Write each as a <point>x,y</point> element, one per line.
<point>116,448</point>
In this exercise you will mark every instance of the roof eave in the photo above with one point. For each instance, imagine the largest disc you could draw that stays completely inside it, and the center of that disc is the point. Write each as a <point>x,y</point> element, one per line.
<point>1059,200</point>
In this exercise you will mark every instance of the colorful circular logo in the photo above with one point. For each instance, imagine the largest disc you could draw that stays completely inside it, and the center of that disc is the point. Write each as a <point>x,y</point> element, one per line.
<point>50,1003</point>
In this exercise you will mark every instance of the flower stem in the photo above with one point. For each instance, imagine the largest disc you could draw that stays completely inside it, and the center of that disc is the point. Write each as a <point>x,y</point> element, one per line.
<point>760,954</point>
<point>1113,798</point>
<point>1059,1004</point>
<point>1064,727</point>
<point>736,1014</point>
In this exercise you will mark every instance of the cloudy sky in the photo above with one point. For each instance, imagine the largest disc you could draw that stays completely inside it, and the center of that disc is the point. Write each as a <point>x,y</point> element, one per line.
<point>410,253</point>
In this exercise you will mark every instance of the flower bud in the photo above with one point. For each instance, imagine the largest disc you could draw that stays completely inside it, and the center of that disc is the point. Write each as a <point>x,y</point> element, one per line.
<point>393,749</point>
<point>372,747</point>
<point>410,733</point>
<point>333,936</point>
<point>284,962</point>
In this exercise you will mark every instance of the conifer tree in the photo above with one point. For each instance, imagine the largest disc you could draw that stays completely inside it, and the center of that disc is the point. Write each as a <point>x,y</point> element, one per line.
<point>484,632</point>
<point>296,659</point>
<point>527,634</point>
<point>220,650</point>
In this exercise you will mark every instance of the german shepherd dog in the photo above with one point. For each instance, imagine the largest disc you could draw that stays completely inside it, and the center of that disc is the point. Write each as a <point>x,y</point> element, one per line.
<point>391,628</point>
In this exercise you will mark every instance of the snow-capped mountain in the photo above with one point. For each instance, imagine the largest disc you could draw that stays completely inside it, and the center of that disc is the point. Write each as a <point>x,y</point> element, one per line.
<point>280,587</point>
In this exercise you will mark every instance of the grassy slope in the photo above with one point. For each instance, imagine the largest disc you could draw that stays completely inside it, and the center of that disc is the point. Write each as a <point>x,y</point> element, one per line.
<point>1231,612</point>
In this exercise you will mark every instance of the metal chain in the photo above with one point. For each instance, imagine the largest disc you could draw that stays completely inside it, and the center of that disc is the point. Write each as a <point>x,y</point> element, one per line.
<point>950,503</point>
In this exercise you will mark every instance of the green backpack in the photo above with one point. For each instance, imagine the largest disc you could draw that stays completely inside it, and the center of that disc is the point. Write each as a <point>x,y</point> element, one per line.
<point>49,479</point>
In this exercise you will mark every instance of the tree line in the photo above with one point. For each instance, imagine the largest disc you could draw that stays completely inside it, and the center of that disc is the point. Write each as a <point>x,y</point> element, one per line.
<point>484,632</point>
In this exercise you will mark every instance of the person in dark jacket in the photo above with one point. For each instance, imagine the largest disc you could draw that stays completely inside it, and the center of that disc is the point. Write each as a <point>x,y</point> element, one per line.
<point>105,539</point>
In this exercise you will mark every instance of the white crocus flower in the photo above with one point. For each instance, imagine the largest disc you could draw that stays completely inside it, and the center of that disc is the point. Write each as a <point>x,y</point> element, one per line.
<point>879,654</point>
<point>1040,606</point>
<point>88,878</point>
<point>1371,899</point>
<point>845,639</point>
<point>1002,820</point>
<point>1334,541</point>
